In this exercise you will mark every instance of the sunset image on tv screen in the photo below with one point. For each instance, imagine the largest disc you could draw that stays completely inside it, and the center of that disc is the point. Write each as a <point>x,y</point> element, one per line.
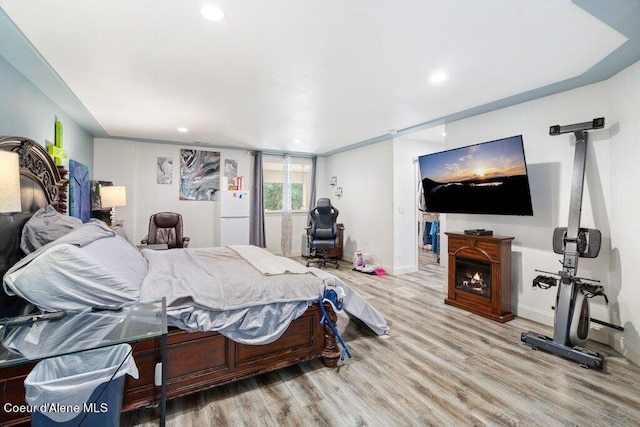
<point>490,178</point>
<point>494,159</point>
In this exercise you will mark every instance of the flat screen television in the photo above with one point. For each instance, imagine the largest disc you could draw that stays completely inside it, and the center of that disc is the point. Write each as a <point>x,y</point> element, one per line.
<point>487,178</point>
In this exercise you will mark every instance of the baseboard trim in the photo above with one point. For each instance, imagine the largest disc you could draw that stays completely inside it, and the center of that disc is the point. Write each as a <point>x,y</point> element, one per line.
<point>615,340</point>
<point>535,315</point>
<point>396,271</point>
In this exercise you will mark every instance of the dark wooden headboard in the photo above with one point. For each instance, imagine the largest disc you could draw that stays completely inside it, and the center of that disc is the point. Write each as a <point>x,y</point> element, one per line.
<point>41,183</point>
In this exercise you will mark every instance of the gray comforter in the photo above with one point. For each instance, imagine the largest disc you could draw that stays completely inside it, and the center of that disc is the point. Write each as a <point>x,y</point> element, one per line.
<point>215,289</point>
<point>244,292</point>
<point>220,279</point>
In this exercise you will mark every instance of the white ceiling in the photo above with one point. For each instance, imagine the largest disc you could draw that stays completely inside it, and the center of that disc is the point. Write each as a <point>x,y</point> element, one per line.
<point>330,73</point>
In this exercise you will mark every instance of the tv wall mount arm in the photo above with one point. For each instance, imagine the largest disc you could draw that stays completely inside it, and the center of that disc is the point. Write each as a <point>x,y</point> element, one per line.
<point>572,315</point>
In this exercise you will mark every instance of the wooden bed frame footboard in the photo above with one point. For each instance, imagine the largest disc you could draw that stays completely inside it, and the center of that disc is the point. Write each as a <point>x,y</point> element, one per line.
<point>202,360</point>
<point>199,361</point>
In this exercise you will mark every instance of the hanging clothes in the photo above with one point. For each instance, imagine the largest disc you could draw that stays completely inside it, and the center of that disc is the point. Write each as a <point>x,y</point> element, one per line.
<point>426,235</point>
<point>435,231</point>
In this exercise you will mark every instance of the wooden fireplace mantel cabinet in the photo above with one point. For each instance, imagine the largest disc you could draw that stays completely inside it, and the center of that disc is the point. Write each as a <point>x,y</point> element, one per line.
<point>492,252</point>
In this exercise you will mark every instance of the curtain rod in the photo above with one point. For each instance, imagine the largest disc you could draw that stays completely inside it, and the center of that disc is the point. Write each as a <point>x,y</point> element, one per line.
<point>282,154</point>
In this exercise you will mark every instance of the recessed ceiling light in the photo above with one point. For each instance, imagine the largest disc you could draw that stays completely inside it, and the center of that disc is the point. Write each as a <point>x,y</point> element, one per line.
<point>297,141</point>
<point>438,77</point>
<point>213,13</point>
<point>183,130</point>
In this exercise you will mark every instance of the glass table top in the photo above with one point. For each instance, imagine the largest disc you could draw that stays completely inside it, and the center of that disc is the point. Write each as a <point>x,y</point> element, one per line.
<point>81,330</point>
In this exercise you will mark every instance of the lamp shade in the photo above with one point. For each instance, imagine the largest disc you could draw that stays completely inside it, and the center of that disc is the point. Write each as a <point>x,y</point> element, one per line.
<point>10,200</point>
<point>113,196</point>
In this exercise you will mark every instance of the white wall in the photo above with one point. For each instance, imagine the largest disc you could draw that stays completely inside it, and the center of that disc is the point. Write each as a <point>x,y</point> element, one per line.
<point>622,210</point>
<point>366,207</point>
<point>406,150</point>
<point>609,199</point>
<point>133,164</point>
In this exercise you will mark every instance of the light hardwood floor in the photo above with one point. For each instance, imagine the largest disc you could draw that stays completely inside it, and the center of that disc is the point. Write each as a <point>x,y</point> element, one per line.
<point>440,366</point>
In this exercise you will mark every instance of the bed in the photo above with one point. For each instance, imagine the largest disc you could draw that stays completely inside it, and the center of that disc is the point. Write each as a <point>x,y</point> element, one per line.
<point>196,360</point>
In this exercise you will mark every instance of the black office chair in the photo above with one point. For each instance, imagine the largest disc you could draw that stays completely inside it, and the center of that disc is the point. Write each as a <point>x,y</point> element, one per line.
<point>323,232</point>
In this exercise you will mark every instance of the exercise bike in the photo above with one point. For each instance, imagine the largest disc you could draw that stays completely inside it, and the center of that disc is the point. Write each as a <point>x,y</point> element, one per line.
<point>572,315</point>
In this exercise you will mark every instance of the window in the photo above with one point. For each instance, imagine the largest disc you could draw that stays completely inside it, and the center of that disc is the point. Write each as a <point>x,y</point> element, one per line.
<point>272,167</point>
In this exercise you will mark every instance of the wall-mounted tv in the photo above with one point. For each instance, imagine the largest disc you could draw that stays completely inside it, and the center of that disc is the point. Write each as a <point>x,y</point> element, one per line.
<point>486,178</point>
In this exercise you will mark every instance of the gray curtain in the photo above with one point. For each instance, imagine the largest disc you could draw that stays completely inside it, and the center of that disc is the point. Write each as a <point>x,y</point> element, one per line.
<point>312,193</point>
<point>257,234</point>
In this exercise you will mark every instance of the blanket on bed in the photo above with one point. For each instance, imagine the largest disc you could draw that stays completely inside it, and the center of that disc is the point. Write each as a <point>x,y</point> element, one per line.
<point>267,263</point>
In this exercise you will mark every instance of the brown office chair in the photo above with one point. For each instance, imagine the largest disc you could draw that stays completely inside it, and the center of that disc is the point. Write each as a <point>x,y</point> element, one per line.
<point>166,227</point>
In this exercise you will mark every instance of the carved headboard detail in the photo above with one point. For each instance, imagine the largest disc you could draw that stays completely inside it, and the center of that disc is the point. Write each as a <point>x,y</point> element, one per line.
<point>36,164</point>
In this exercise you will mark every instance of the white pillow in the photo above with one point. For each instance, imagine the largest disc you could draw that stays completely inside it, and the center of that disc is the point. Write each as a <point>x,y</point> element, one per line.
<point>89,266</point>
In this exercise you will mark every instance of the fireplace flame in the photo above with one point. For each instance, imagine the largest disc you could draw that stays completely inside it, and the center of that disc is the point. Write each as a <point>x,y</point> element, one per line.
<point>473,278</point>
<point>477,282</point>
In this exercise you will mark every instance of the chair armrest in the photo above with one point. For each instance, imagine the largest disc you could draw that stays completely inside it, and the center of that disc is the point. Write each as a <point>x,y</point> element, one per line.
<point>340,230</point>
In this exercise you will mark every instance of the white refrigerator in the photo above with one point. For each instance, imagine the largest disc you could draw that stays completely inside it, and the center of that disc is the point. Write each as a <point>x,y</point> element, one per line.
<point>231,212</point>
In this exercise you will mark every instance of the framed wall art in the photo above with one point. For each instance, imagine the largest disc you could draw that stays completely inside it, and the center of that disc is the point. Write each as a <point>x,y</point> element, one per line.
<point>165,170</point>
<point>199,174</point>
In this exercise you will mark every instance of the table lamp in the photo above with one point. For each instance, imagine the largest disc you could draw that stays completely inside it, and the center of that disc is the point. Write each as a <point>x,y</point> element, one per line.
<point>10,200</point>
<point>112,197</point>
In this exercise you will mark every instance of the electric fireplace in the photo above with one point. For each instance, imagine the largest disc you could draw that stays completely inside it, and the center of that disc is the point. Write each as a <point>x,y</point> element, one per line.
<point>473,276</point>
<point>480,275</point>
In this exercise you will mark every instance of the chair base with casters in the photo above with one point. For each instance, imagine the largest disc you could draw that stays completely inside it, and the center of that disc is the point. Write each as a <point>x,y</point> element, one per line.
<point>319,256</point>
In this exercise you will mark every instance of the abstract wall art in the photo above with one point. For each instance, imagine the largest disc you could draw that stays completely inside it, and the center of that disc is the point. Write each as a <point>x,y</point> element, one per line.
<point>199,174</point>
<point>230,168</point>
<point>165,170</point>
